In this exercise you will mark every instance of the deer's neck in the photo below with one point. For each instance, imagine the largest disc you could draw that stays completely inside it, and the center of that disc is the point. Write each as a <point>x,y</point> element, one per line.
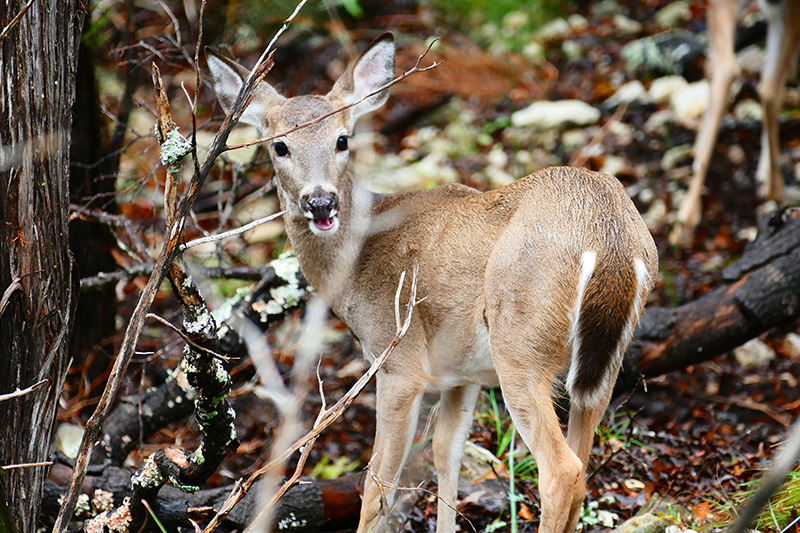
<point>327,261</point>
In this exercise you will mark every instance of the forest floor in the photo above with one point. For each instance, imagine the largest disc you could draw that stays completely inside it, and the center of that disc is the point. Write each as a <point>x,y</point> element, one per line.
<point>696,437</point>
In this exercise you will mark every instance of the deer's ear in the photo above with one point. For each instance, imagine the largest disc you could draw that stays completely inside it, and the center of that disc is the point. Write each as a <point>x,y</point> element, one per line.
<point>228,76</point>
<point>368,73</point>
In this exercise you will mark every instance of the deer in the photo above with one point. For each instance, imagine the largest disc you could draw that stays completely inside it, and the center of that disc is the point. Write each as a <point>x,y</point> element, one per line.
<point>526,286</point>
<point>783,43</point>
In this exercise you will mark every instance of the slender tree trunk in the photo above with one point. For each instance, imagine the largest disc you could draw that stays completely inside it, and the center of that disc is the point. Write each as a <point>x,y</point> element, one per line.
<point>38,57</point>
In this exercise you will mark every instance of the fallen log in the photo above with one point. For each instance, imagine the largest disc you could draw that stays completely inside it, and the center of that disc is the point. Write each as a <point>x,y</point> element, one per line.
<point>760,291</point>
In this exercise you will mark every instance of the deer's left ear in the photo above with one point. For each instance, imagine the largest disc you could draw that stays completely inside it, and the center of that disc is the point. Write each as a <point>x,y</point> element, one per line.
<point>368,73</point>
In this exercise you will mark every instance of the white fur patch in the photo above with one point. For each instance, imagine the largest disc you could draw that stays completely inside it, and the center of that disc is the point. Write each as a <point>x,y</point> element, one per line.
<point>588,261</point>
<point>596,395</point>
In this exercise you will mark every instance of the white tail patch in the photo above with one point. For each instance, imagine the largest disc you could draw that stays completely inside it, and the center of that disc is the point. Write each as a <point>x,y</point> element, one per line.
<point>605,381</point>
<point>588,261</point>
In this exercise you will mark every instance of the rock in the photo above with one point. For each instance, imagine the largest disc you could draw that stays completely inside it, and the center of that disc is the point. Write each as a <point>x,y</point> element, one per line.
<point>614,165</point>
<point>656,125</point>
<point>646,523</point>
<point>606,8</point>
<point>554,30</point>
<point>662,89</point>
<point>577,22</point>
<point>630,92</point>
<point>68,439</point>
<point>674,155</point>
<point>750,59</point>
<point>572,50</point>
<point>498,177</point>
<point>747,109</point>
<point>627,26</point>
<point>666,53</point>
<point>791,344</point>
<point>552,115</point>
<point>497,156</point>
<point>664,505</point>
<point>690,103</point>
<point>753,353</point>
<point>477,460</point>
<point>673,14</point>
<point>515,20</point>
<point>533,52</point>
<point>606,518</point>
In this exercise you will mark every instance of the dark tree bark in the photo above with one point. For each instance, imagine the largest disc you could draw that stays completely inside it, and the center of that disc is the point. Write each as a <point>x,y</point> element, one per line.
<point>92,173</point>
<point>38,57</point>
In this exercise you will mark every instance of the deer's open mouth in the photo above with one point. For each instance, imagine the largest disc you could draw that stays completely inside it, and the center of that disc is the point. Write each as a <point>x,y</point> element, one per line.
<point>324,225</point>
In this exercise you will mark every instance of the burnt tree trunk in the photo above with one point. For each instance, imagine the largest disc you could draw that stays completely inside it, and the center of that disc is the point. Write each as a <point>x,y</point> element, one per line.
<point>38,57</point>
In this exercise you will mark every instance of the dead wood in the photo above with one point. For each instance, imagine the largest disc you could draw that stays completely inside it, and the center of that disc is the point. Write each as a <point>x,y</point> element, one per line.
<point>761,291</point>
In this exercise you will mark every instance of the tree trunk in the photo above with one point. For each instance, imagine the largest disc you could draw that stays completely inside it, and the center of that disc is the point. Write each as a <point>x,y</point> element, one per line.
<point>38,56</point>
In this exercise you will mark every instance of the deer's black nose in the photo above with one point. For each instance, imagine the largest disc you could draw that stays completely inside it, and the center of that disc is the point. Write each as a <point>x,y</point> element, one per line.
<point>320,204</point>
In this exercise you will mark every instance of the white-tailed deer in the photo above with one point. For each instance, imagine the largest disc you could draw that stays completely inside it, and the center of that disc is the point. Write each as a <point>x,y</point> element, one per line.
<point>783,42</point>
<point>519,286</point>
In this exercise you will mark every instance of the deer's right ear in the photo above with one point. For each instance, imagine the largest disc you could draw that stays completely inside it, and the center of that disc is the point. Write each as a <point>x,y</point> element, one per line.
<point>228,76</point>
<point>371,71</point>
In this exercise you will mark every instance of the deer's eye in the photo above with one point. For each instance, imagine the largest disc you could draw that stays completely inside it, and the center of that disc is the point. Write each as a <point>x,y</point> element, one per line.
<point>281,149</point>
<point>341,143</point>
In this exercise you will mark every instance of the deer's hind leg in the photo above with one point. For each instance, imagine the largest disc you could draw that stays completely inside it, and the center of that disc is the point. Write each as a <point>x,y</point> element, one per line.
<point>528,347</point>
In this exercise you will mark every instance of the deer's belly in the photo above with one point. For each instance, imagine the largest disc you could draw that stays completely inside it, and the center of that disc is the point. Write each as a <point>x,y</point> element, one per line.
<point>454,359</point>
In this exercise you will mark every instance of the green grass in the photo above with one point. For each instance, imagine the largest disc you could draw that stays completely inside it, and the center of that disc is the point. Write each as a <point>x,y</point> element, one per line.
<point>783,510</point>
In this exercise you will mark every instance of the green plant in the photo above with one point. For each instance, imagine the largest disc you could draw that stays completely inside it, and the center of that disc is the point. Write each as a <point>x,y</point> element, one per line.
<point>328,468</point>
<point>781,513</point>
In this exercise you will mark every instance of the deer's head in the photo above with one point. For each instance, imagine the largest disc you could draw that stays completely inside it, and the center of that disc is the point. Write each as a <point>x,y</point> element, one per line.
<point>311,164</point>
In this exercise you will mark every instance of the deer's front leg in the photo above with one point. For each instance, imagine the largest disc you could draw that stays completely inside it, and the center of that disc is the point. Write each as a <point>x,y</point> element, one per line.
<point>724,70</point>
<point>452,429</point>
<point>397,409</point>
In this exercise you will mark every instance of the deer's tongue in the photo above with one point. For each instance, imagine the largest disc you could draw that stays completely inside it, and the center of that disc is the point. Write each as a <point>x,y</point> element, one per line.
<point>323,223</point>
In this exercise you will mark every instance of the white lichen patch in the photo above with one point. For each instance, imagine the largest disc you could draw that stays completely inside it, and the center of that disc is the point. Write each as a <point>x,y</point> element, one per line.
<point>283,297</point>
<point>286,267</point>
<point>174,148</point>
<point>203,323</point>
<point>82,508</point>
<point>149,476</point>
<point>291,522</point>
<point>102,501</point>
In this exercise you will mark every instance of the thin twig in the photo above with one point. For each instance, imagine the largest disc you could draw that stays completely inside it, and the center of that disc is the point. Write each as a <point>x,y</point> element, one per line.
<point>25,465</point>
<point>382,485</point>
<point>21,392</point>
<point>231,233</point>
<point>186,338</point>
<point>412,70</point>
<point>327,417</point>
<point>14,21</point>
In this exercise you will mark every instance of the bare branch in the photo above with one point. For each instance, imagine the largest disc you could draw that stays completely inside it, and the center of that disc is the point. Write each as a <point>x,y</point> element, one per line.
<point>412,70</point>
<point>168,253</point>
<point>186,338</point>
<point>26,465</point>
<point>21,392</point>
<point>231,233</point>
<point>16,19</point>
